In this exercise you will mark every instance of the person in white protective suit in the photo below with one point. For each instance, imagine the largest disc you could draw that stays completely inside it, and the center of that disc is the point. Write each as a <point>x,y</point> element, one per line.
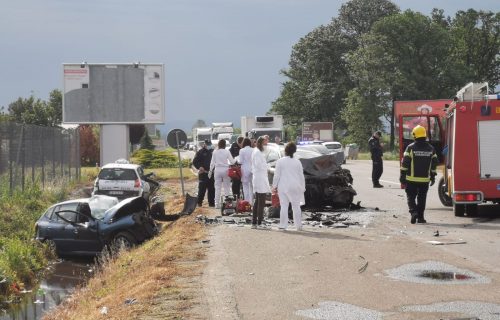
<point>290,184</point>
<point>260,181</point>
<point>221,158</point>
<point>246,169</point>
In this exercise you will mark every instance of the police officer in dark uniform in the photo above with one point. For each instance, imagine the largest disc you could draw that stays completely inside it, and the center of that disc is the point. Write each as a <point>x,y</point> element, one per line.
<point>201,162</point>
<point>377,153</point>
<point>418,168</point>
<point>235,151</point>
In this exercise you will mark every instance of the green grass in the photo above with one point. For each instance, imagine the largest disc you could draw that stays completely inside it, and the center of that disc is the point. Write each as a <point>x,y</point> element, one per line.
<point>22,257</point>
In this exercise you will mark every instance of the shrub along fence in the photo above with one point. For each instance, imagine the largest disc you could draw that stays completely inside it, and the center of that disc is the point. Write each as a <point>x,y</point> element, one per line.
<point>30,153</point>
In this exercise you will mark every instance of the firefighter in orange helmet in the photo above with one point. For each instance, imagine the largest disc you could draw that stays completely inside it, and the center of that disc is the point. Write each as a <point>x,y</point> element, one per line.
<point>418,168</point>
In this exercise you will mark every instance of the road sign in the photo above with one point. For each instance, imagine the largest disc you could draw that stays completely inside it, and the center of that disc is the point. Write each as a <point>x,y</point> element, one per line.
<point>176,138</point>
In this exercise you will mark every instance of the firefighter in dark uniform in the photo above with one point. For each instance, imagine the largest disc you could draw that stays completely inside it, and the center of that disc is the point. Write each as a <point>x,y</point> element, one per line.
<point>377,153</point>
<point>201,162</point>
<point>418,168</point>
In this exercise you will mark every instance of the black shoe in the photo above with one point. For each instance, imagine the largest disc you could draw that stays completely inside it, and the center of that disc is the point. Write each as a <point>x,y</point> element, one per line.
<point>211,205</point>
<point>378,185</point>
<point>421,220</point>
<point>199,204</point>
<point>413,218</point>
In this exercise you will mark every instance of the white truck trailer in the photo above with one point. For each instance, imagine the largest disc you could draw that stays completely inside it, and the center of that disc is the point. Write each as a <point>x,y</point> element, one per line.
<point>256,126</point>
<point>225,128</point>
<point>200,135</point>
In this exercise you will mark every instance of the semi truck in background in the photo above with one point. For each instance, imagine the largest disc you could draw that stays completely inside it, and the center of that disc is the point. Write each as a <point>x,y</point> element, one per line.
<point>221,128</point>
<point>256,126</point>
<point>200,135</point>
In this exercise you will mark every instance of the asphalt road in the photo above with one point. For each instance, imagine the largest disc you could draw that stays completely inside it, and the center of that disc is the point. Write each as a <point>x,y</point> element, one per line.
<point>349,273</point>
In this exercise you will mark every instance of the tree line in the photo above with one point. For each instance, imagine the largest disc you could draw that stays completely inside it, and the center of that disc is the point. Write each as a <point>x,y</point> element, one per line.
<point>351,70</point>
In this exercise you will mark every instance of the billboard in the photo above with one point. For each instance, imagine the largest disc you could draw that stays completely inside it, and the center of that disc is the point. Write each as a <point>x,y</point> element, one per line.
<point>317,131</point>
<point>113,93</point>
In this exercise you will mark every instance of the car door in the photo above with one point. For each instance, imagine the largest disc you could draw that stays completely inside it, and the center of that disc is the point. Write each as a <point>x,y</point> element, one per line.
<point>61,232</point>
<point>86,230</point>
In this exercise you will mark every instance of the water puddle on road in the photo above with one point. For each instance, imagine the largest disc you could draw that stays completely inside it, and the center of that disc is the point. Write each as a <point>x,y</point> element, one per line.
<point>60,282</point>
<point>443,275</point>
<point>435,272</point>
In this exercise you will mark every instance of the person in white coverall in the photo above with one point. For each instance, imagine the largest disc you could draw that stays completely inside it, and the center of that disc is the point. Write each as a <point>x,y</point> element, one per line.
<point>290,184</point>
<point>246,169</point>
<point>221,158</point>
<point>260,181</point>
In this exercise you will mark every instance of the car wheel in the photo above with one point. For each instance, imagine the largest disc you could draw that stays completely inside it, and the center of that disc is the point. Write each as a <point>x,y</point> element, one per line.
<point>123,240</point>
<point>443,195</point>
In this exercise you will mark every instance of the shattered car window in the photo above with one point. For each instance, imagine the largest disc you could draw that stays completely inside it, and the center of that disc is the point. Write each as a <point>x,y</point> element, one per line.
<point>99,205</point>
<point>117,174</point>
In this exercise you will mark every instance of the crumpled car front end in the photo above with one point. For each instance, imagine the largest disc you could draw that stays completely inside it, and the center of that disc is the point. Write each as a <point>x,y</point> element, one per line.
<point>130,215</point>
<point>327,184</point>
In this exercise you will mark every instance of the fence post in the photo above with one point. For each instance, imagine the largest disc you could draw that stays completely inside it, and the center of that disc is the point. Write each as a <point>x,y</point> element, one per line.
<point>11,147</point>
<point>42,151</point>
<point>23,156</point>
<point>53,153</point>
<point>32,151</point>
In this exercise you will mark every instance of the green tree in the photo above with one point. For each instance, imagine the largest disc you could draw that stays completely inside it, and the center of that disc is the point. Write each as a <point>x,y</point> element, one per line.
<point>146,141</point>
<point>36,111</point>
<point>360,128</point>
<point>406,56</point>
<point>318,77</point>
<point>199,124</point>
<point>476,45</point>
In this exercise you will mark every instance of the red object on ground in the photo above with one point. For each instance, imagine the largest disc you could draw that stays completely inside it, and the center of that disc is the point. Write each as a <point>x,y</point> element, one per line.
<point>243,206</point>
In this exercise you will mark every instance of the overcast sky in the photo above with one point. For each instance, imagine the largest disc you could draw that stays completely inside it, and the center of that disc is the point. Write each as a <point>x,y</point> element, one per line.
<point>222,57</point>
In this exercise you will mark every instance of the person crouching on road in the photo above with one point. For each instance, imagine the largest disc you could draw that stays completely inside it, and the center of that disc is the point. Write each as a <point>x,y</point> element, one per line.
<point>290,184</point>
<point>376,152</point>
<point>201,162</point>
<point>260,181</point>
<point>246,169</point>
<point>221,158</point>
<point>418,168</point>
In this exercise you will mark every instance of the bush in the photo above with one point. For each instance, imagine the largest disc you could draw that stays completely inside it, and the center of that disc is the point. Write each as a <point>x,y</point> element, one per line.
<point>157,159</point>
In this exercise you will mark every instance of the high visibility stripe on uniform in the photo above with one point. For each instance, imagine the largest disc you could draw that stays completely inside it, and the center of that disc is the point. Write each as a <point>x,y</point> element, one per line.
<point>417,179</point>
<point>406,154</point>
<point>404,169</point>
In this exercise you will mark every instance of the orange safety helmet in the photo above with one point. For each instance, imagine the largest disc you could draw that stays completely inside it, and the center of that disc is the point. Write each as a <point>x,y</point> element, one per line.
<point>419,132</point>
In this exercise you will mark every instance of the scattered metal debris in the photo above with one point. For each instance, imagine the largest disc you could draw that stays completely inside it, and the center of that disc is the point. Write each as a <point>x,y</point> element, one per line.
<point>442,243</point>
<point>130,301</point>
<point>436,234</point>
<point>363,268</point>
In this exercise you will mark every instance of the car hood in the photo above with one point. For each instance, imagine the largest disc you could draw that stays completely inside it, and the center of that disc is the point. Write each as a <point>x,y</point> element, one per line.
<point>126,207</point>
<point>321,167</point>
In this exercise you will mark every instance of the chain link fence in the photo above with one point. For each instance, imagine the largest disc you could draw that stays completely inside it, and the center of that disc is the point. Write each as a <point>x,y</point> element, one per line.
<point>35,154</point>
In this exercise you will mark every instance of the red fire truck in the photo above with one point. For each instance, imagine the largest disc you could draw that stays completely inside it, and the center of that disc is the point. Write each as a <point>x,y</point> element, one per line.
<point>467,141</point>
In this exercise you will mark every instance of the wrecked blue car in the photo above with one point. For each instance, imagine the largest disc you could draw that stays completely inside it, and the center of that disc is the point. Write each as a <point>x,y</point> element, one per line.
<point>86,226</point>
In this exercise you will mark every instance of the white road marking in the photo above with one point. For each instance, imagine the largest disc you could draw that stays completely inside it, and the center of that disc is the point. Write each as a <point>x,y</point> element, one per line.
<point>386,181</point>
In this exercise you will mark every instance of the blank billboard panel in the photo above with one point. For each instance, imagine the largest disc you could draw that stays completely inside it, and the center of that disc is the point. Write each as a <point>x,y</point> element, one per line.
<point>113,93</point>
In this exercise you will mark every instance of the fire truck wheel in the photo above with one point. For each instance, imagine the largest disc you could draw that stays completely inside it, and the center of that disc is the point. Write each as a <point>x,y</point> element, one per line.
<point>442,192</point>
